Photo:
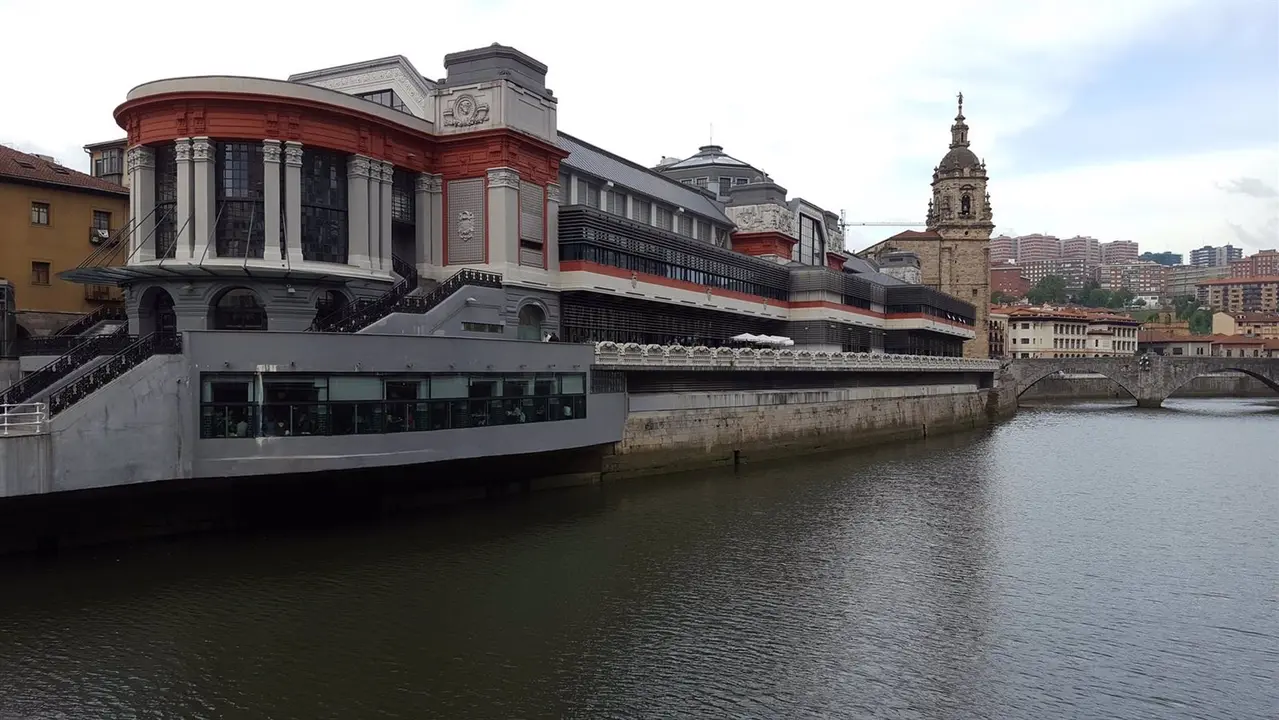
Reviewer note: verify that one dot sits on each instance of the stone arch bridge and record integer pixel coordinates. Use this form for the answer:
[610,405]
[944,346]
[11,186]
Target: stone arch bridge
[1148,378]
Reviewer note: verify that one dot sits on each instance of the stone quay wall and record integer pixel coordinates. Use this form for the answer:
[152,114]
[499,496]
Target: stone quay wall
[1102,388]
[687,431]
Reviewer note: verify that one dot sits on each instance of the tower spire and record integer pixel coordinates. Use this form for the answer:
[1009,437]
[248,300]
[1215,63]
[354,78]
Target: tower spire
[959,131]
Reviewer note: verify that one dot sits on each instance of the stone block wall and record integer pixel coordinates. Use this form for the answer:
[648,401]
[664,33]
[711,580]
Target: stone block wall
[781,424]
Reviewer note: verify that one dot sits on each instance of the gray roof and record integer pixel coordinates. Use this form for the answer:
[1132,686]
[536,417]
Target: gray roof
[868,270]
[633,176]
[708,155]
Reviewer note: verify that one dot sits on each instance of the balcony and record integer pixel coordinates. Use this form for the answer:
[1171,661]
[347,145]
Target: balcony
[101,235]
[102,293]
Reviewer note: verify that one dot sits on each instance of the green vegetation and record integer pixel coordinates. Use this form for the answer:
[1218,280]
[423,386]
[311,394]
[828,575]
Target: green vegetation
[1188,308]
[1052,289]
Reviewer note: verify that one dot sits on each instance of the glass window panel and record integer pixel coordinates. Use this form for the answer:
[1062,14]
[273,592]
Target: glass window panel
[353,387]
[449,386]
[485,387]
[546,385]
[572,383]
[517,385]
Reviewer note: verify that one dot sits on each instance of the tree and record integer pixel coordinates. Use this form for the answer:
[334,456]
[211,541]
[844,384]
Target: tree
[1201,322]
[1051,289]
[999,297]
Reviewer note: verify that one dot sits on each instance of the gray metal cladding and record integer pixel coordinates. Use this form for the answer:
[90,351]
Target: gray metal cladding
[532,211]
[594,161]
[465,199]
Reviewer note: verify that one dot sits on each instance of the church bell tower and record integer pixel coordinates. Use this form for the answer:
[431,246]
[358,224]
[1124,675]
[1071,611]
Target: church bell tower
[960,214]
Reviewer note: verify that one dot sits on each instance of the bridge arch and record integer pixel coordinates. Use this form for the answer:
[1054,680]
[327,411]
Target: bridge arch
[1030,378]
[1269,380]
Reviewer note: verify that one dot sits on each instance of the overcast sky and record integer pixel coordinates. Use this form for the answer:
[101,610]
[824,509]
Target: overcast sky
[1147,120]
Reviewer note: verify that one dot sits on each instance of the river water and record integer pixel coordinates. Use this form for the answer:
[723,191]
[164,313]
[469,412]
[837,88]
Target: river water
[1085,561]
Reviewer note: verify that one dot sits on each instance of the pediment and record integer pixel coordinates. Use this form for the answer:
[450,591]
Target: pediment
[391,73]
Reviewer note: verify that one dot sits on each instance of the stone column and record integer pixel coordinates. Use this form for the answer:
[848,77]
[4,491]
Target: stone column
[205,206]
[375,213]
[141,160]
[551,243]
[273,250]
[381,260]
[357,211]
[182,216]
[293,201]
[503,206]
[422,218]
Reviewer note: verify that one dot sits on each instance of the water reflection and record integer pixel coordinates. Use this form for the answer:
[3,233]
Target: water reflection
[1077,562]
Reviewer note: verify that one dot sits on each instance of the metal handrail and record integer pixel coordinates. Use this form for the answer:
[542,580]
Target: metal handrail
[24,419]
[146,347]
[29,386]
[357,311]
[106,312]
[355,319]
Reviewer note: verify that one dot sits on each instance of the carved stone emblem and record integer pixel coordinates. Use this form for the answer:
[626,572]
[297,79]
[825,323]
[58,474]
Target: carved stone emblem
[466,111]
[466,226]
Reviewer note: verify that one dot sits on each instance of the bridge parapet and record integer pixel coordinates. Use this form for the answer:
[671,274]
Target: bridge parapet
[673,357]
[1148,378]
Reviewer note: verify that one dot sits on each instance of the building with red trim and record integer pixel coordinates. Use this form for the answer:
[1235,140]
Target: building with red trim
[334,198]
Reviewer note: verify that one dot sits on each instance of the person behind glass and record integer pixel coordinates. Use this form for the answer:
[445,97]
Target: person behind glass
[550,337]
[303,425]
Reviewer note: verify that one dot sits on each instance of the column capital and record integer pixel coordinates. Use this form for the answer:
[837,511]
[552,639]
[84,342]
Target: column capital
[182,149]
[140,156]
[503,177]
[386,171]
[293,153]
[201,149]
[271,151]
[428,183]
[554,193]
[359,166]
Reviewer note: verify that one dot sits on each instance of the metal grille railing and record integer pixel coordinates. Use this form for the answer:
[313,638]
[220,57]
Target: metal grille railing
[106,312]
[44,378]
[115,366]
[360,315]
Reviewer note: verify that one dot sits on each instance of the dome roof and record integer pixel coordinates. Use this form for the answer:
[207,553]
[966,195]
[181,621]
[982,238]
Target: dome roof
[958,159]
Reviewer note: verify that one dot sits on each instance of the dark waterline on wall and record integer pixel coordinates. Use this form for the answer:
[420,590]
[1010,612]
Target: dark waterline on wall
[1078,561]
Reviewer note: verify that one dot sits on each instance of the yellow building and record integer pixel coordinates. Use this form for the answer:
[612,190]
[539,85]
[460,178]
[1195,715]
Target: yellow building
[1253,324]
[51,219]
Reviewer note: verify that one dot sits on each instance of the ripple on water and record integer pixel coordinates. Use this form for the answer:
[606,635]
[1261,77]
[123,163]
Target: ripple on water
[1088,561]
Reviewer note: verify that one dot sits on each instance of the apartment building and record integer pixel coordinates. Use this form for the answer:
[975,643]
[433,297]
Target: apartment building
[1183,280]
[1252,324]
[51,219]
[1261,264]
[1231,294]
[1068,332]
[1119,251]
[1219,256]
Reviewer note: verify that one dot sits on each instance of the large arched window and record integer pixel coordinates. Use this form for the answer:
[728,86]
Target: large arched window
[238,309]
[241,213]
[531,318]
[324,224]
[166,200]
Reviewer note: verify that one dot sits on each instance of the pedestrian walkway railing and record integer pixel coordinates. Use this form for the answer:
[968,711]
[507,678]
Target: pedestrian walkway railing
[24,419]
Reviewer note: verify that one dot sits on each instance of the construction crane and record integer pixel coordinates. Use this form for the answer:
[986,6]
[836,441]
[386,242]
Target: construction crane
[844,224]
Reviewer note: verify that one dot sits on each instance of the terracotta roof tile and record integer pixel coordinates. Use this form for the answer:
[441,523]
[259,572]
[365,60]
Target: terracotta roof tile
[24,167]
[1242,280]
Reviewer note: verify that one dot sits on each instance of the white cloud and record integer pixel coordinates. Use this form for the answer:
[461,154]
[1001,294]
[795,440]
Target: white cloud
[1172,203]
[844,104]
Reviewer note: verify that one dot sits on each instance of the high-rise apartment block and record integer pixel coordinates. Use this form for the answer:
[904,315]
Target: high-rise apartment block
[1085,249]
[1003,250]
[1038,247]
[1220,256]
[1118,251]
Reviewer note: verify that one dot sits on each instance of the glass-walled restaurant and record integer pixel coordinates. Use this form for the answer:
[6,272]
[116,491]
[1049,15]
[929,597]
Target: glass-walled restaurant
[293,404]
